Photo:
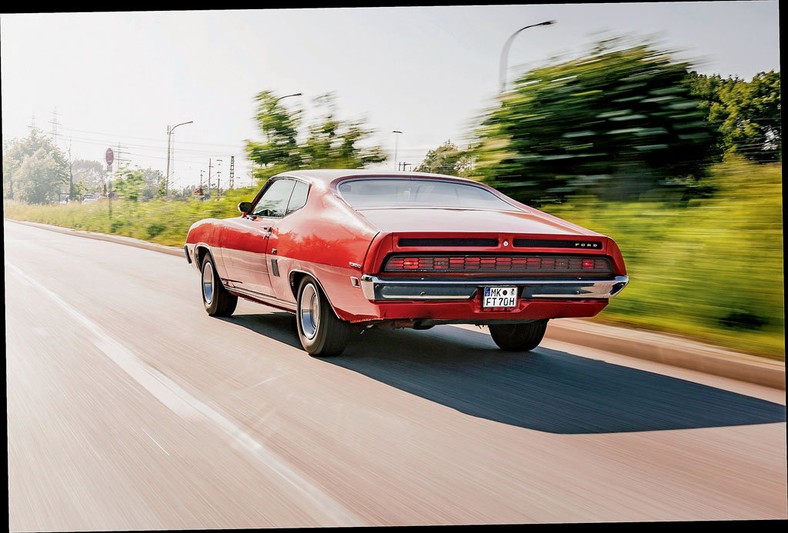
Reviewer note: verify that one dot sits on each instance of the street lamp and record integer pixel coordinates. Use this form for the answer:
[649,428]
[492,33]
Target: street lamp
[287,96]
[395,147]
[505,51]
[169,143]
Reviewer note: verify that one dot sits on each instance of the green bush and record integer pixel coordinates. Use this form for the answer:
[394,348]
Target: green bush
[161,221]
[712,269]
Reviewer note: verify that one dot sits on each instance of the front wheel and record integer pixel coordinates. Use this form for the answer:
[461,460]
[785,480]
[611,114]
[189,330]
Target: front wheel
[522,337]
[320,331]
[215,298]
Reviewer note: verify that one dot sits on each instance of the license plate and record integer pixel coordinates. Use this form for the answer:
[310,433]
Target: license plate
[499,297]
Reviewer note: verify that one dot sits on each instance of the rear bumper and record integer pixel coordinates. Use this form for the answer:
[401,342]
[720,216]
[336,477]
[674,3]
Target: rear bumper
[378,289]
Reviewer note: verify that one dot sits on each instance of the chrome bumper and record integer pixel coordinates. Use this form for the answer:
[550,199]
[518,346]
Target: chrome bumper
[375,288]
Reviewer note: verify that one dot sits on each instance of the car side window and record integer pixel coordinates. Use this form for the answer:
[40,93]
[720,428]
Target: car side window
[273,202]
[298,198]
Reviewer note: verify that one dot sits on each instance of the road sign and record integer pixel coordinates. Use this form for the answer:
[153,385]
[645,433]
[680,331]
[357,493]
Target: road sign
[110,156]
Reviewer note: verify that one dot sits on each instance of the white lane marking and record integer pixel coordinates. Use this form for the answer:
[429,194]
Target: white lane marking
[186,405]
[155,441]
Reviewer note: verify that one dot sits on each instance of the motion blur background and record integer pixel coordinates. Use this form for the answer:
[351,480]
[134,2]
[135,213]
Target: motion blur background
[625,135]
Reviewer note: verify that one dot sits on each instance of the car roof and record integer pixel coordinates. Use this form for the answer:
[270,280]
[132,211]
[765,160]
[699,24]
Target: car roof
[330,175]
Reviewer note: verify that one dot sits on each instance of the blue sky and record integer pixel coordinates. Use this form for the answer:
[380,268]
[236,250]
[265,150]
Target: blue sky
[118,79]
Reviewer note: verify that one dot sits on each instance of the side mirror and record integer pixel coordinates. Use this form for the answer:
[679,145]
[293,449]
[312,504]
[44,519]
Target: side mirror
[245,207]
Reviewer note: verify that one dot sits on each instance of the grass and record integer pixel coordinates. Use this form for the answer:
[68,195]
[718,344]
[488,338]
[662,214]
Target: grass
[711,270]
[160,221]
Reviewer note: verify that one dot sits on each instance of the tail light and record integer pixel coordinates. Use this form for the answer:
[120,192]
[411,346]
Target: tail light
[525,264]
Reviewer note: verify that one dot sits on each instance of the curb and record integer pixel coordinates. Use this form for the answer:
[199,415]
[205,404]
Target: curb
[120,239]
[671,350]
[659,347]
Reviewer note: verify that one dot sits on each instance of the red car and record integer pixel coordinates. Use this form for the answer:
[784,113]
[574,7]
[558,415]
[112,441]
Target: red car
[351,249]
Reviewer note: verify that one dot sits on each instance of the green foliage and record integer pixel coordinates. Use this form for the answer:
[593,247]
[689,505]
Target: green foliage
[154,229]
[746,115]
[35,170]
[160,220]
[130,185]
[280,128]
[615,124]
[88,177]
[330,143]
[155,184]
[446,159]
[334,143]
[712,270]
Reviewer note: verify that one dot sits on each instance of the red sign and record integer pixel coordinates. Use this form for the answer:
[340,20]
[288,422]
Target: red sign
[110,156]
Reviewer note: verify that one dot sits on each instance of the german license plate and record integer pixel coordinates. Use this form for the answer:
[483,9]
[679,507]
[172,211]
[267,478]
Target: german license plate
[499,297]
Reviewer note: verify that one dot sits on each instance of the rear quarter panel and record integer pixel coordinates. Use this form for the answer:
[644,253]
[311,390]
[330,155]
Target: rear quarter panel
[324,239]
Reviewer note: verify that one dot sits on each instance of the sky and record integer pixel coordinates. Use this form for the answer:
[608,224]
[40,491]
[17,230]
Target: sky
[96,80]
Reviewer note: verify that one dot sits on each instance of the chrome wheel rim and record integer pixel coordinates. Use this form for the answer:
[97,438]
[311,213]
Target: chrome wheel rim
[207,282]
[309,311]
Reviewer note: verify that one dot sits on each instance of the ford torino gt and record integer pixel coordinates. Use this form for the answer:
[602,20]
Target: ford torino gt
[346,250]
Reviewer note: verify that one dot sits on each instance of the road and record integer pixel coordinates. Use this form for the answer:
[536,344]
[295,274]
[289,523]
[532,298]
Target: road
[128,408]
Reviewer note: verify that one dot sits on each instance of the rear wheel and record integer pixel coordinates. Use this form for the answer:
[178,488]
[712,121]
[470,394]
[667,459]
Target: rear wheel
[522,337]
[320,331]
[215,298]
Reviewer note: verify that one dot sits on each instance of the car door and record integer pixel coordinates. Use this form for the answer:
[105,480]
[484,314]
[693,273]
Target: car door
[282,241]
[247,253]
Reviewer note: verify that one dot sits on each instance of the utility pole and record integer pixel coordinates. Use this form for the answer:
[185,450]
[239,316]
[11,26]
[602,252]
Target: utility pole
[218,178]
[210,166]
[232,171]
[109,157]
[54,125]
[119,160]
[70,175]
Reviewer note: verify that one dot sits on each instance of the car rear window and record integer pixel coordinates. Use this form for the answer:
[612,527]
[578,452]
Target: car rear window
[417,192]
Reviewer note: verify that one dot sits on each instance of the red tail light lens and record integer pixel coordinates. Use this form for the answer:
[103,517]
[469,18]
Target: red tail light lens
[525,264]
[410,263]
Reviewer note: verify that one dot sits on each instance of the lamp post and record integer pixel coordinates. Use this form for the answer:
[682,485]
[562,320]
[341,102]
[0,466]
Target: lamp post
[287,96]
[505,51]
[396,132]
[169,144]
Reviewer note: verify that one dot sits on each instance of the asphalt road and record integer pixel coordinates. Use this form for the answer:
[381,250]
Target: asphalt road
[128,408]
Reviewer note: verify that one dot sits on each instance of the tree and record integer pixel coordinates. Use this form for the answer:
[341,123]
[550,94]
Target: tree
[130,184]
[446,159]
[746,115]
[616,123]
[330,142]
[280,127]
[35,170]
[154,184]
[335,143]
[88,176]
